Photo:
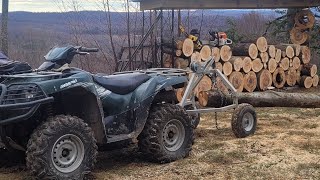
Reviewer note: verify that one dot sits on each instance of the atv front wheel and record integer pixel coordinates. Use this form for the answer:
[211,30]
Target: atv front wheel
[244,121]
[63,147]
[168,134]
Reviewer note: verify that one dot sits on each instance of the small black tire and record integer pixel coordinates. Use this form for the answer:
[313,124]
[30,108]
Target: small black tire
[63,147]
[244,121]
[168,134]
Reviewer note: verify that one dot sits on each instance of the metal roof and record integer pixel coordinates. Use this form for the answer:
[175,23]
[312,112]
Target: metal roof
[225,4]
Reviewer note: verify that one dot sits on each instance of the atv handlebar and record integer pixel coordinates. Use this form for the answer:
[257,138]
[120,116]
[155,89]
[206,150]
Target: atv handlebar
[84,49]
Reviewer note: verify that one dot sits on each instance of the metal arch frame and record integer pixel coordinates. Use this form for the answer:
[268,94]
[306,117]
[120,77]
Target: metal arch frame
[199,71]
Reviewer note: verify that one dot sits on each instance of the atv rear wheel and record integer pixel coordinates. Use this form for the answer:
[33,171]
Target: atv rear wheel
[168,134]
[244,121]
[63,147]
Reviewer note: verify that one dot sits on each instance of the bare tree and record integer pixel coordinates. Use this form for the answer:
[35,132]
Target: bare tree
[4,27]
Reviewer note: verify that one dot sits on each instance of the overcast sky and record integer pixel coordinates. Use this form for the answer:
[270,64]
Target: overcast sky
[56,5]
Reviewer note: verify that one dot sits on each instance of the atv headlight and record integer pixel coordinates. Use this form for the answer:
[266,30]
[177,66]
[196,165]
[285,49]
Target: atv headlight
[22,93]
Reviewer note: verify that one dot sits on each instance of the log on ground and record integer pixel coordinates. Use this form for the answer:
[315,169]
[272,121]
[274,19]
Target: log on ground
[291,77]
[279,78]
[272,65]
[264,78]
[250,81]
[309,70]
[237,80]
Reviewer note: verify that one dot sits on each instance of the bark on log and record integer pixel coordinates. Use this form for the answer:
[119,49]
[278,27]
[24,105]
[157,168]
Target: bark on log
[181,63]
[304,19]
[205,53]
[188,47]
[247,64]
[279,78]
[216,54]
[315,80]
[245,49]
[227,68]
[225,53]
[236,62]
[203,98]
[236,79]
[285,63]
[179,94]
[216,99]
[250,81]
[220,86]
[291,77]
[272,65]
[271,99]
[309,70]
[257,65]
[297,36]
[272,51]
[278,55]
[264,78]
[262,44]
[306,82]
[305,55]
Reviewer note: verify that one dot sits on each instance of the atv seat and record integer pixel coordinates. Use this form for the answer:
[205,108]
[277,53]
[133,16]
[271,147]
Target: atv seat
[122,83]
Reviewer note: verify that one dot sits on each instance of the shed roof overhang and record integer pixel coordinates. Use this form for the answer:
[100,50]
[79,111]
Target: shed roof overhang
[225,4]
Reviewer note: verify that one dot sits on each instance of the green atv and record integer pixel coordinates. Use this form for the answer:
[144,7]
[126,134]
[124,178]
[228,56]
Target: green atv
[59,115]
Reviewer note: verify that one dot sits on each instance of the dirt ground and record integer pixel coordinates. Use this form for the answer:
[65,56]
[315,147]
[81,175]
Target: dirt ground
[286,146]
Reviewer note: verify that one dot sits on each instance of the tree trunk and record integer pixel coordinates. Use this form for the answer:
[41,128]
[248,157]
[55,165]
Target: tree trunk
[236,62]
[236,79]
[267,99]
[188,47]
[257,65]
[250,81]
[4,27]
[272,65]
[225,53]
[264,79]
[247,64]
[227,68]
[245,49]
[262,44]
[309,70]
[205,53]
[279,78]
[216,54]
[306,82]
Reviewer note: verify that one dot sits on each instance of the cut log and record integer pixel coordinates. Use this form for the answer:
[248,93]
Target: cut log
[236,62]
[262,44]
[188,47]
[304,19]
[296,47]
[285,63]
[279,78]
[225,53]
[236,79]
[278,55]
[315,80]
[167,61]
[178,53]
[250,81]
[216,54]
[290,51]
[205,84]
[287,51]
[227,68]
[245,49]
[296,63]
[218,66]
[257,65]
[272,51]
[272,65]
[203,98]
[220,86]
[179,93]
[205,53]
[264,57]
[264,78]
[298,73]
[271,99]
[181,63]
[305,55]
[247,64]
[216,99]
[196,57]
[291,77]
[309,70]
[306,82]
[297,36]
